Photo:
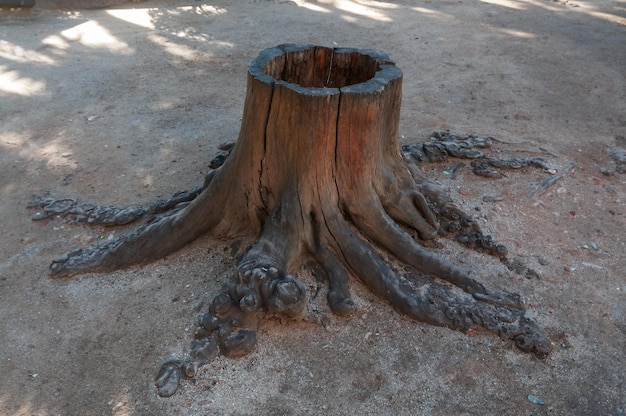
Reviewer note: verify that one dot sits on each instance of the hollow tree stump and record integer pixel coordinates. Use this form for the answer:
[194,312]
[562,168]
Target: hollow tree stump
[317,174]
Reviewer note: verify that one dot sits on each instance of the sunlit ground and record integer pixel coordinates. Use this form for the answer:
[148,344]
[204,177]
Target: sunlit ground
[103,31]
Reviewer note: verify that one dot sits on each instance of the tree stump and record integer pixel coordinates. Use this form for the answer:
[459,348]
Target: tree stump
[317,174]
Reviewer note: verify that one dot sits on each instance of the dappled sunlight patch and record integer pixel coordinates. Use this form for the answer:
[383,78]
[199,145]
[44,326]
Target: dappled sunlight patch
[55,42]
[16,53]
[93,35]
[380,4]
[588,8]
[184,51]
[553,6]
[516,33]
[188,13]
[26,408]
[54,153]
[147,180]
[28,405]
[164,105]
[362,9]
[591,9]
[10,141]
[314,7]
[201,9]
[12,83]
[139,17]
[173,48]
[510,4]
[122,404]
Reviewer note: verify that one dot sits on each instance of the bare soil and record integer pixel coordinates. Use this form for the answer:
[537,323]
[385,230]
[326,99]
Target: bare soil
[128,104]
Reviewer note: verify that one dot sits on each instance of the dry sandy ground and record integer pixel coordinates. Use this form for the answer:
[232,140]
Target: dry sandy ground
[128,104]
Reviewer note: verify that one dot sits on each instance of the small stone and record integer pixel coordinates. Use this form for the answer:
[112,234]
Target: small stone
[535,399]
[492,198]
[592,265]
[39,216]
[607,171]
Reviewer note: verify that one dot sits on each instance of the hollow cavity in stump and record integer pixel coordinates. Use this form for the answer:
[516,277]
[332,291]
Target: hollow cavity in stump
[317,173]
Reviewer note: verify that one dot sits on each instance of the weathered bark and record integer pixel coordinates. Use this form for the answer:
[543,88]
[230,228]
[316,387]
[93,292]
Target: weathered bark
[317,172]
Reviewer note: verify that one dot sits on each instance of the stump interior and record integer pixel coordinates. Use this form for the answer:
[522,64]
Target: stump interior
[319,67]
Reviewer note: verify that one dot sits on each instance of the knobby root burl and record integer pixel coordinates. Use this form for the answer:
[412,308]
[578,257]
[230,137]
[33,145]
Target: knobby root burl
[340,242]
[327,183]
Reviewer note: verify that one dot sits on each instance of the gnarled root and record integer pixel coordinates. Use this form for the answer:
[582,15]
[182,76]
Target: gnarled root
[444,144]
[230,325]
[317,172]
[435,303]
[186,219]
[341,247]
[346,224]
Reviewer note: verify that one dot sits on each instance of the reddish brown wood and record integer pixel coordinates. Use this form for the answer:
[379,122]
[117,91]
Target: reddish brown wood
[317,175]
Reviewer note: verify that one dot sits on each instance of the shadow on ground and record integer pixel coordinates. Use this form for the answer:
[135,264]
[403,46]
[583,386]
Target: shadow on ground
[128,104]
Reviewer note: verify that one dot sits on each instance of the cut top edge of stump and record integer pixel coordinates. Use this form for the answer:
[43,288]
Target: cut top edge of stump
[323,70]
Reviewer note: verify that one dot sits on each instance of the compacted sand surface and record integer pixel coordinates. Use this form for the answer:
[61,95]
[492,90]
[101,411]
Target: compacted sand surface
[128,104]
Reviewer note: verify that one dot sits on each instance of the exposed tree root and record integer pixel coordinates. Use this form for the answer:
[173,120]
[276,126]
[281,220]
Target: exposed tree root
[327,183]
[341,238]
